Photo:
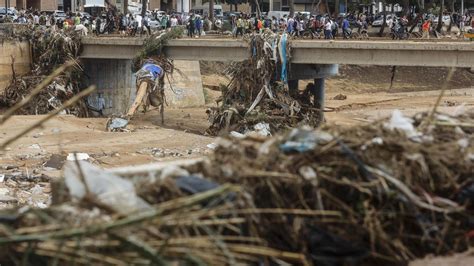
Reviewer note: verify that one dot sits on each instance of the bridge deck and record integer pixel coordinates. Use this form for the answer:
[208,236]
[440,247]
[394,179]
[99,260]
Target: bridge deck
[403,53]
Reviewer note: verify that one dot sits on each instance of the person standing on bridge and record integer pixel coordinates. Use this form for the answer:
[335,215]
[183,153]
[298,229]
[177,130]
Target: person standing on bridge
[240,27]
[146,25]
[426,29]
[190,25]
[346,28]
[174,22]
[328,29]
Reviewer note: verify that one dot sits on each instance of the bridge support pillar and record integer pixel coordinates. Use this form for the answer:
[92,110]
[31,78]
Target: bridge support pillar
[314,72]
[319,96]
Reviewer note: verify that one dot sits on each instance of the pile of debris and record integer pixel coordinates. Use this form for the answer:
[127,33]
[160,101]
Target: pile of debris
[50,49]
[258,91]
[384,193]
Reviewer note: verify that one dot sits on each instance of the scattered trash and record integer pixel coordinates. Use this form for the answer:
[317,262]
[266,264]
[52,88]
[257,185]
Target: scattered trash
[402,123]
[116,124]
[262,129]
[211,146]
[56,161]
[34,146]
[194,184]
[84,179]
[237,135]
[2,178]
[77,156]
[299,140]
[51,49]
[340,97]
[38,198]
[298,193]
[254,96]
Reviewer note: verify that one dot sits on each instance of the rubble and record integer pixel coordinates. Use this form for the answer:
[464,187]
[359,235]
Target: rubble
[258,92]
[369,194]
[50,49]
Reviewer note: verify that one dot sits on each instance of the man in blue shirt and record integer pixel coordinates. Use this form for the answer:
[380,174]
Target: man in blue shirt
[346,31]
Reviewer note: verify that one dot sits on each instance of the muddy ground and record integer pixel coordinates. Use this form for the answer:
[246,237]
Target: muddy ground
[27,166]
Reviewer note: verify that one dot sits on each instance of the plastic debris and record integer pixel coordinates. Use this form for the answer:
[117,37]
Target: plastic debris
[117,124]
[111,190]
[402,123]
[304,139]
[211,146]
[263,129]
[77,156]
[194,184]
[34,146]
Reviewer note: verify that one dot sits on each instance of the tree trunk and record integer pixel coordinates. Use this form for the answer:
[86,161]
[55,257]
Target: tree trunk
[144,5]
[236,9]
[257,6]
[406,8]
[315,8]
[292,7]
[451,20]
[440,18]
[419,16]
[211,13]
[336,7]
[328,10]
[382,28]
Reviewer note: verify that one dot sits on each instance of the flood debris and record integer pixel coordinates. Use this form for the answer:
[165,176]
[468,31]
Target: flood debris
[117,124]
[258,91]
[152,68]
[50,49]
[340,97]
[369,194]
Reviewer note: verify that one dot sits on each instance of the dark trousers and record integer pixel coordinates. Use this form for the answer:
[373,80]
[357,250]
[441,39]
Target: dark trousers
[239,31]
[327,34]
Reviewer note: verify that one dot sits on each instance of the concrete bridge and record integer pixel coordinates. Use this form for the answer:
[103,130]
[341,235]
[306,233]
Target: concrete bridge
[388,53]
[107,61]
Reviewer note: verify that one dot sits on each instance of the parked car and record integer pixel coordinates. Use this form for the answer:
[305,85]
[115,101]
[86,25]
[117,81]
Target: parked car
[154,23]
[379,20]
[159,13]
[446,19]
[12,13]
[85,15]
[59,15]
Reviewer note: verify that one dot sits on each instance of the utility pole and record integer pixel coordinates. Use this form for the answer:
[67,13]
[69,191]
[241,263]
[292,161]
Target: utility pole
[462,7]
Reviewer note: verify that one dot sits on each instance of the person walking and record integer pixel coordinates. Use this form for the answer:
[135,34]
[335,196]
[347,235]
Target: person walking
[346,28]
[198,26]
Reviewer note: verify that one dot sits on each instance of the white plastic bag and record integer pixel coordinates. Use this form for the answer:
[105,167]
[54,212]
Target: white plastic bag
[110,189]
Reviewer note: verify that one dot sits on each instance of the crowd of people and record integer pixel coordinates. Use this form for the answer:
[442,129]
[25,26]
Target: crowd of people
[327,27]
[298,25]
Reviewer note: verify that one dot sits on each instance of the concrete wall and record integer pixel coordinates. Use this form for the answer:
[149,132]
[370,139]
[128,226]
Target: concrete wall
[116,82]
[186,89]
[49,5]
[21,52]
[114,79]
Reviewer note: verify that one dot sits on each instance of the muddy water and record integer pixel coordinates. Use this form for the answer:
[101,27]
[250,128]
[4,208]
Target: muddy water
[21,54]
